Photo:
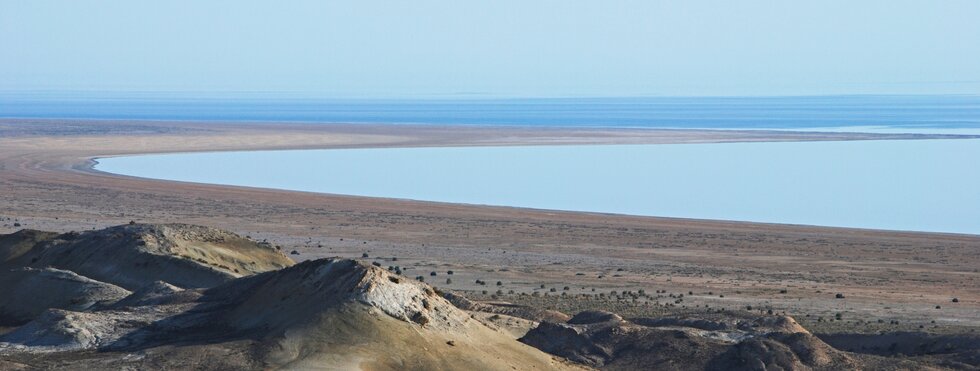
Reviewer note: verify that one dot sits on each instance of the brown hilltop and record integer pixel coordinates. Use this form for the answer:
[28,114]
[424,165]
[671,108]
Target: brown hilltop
[350,314]
[327,313]
[133,256]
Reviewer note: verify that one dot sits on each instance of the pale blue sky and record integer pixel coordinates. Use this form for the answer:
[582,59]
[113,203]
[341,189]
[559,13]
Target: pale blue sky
[494,48]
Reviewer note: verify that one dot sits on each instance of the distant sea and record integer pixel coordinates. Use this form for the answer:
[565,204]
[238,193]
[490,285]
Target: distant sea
[900,112]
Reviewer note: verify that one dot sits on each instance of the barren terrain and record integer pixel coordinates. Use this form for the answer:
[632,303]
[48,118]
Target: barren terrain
[890,281]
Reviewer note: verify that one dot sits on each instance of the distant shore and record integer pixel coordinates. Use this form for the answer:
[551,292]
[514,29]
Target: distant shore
[48,183]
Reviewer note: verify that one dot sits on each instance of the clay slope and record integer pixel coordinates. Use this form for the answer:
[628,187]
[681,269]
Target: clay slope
[507,309]
[722,341]
[25,293]
[347,314]
[134,256]
[321,314]
[15,245]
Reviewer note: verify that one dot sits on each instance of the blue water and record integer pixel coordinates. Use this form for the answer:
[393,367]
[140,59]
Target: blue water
[920,185]
[895,112]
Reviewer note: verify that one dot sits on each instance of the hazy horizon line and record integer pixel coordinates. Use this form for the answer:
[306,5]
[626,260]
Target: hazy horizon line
[285,94]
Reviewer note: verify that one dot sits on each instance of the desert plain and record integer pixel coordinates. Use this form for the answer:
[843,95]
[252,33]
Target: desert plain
[833,281]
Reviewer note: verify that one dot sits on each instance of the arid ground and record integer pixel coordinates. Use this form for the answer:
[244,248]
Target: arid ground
[890,281]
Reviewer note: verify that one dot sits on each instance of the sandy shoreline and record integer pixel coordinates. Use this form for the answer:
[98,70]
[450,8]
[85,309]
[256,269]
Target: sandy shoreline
[48,183]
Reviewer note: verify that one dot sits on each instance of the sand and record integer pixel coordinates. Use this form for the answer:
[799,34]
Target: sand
[47,183]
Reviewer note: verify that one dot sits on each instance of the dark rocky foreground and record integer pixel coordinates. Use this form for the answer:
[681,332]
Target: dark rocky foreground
[190,297]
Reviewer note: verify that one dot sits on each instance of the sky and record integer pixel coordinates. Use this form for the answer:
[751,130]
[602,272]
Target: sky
[499,48]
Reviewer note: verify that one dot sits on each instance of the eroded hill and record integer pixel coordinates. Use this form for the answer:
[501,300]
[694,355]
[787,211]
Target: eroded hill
[179,297]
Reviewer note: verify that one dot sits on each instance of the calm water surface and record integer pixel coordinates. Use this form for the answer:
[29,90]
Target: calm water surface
[891,112]
[921,185]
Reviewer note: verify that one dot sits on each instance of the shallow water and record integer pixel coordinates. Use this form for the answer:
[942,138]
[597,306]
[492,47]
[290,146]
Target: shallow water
[920,185]
[885,112]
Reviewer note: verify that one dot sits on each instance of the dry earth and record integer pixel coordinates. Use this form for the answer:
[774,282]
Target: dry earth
[350,314]
[891,281]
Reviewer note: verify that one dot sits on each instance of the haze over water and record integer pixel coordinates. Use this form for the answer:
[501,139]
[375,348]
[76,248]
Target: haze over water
[919,185]
[892,112]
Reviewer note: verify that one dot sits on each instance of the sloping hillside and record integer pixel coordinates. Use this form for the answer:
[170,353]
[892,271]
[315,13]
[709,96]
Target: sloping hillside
[133,256]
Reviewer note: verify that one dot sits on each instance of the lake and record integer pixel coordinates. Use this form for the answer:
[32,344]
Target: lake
[918,185]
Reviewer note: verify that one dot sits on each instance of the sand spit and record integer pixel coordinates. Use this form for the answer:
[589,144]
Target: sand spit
[893,282]
[48,184]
